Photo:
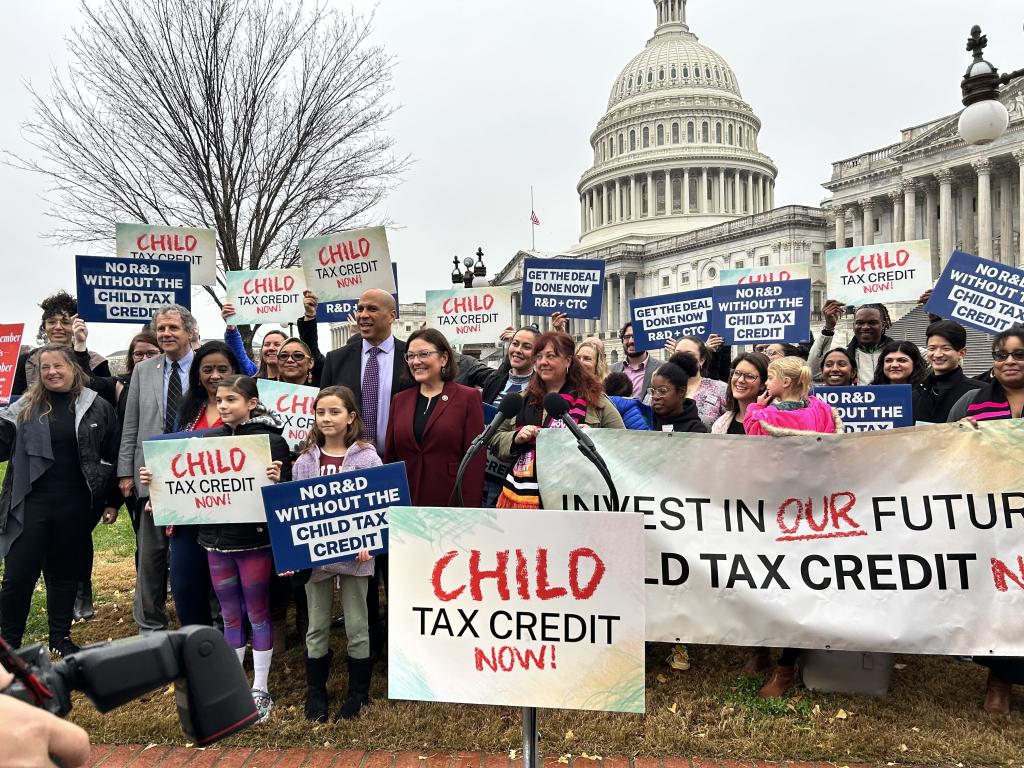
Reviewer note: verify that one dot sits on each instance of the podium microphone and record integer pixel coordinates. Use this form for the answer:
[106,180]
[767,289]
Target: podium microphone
[558,408]
[509,407]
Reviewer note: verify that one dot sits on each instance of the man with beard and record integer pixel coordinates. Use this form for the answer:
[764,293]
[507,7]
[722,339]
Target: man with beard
[638,366]
[870,323]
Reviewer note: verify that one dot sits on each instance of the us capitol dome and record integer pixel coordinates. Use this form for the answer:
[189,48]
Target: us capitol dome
[677,147]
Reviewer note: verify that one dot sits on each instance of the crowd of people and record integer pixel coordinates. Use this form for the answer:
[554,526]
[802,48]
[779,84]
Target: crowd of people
[74,442]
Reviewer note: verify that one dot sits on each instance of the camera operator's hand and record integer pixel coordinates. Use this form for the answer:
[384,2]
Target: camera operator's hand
[29,736]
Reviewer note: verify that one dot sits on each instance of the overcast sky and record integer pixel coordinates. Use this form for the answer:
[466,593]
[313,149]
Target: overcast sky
[499,95]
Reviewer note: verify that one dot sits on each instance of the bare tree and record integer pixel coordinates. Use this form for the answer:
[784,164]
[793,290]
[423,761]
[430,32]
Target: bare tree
[262,120]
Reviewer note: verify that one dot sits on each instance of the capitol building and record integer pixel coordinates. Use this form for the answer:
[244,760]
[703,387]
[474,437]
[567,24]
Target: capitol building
[679,188]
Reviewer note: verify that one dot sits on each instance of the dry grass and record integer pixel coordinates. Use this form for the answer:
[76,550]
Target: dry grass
[932,713]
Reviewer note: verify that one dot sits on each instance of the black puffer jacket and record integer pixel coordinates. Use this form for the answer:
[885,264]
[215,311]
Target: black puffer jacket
[98,439]
[237,537]
[687,420]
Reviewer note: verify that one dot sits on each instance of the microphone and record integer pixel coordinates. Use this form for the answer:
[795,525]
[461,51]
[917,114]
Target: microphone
[558,408]
[508,408]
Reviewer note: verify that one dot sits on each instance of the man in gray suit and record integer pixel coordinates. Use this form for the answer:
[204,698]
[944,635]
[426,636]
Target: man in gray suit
[156,395]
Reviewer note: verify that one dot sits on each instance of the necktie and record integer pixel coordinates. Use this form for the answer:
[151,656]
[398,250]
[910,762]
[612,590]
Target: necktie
[371,394]
[173,399]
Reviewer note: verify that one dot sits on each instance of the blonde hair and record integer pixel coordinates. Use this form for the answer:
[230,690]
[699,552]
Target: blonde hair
[37,396]
[600,360]
[796,370]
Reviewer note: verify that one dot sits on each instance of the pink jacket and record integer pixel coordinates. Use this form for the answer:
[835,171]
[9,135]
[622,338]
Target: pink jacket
[307,466]
[817,417]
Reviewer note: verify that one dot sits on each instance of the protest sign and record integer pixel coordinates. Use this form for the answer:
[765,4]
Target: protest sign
[10,348]
[864,409]
[187,245]
[265,295]
[488,606]
[903,540]
[772,274]
[208,480]
[470,315]
[867,274]
[763,313]
[328,519]
[979,293]
[112,290]
[294,404]
[657,319]
[346,264]
[338,310]
[572,286]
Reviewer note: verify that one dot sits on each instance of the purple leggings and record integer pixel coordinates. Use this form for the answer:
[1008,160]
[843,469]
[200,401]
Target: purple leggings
[242,583]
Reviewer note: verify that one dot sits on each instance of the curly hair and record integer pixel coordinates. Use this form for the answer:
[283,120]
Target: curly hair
[578,379]
[55,305]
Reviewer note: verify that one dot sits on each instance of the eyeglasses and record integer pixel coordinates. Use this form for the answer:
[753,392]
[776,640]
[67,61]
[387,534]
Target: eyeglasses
[659,391]
[1002,355]
[750,378]
[145,355]
[421,356]
[284,357]
[51,322]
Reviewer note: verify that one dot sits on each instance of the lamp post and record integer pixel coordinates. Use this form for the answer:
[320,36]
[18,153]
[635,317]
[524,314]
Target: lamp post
[984,118]
[475,275]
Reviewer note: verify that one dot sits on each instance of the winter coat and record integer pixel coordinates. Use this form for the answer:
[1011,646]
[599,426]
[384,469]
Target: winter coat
[237,537]
[817,418]
[635,415]
[984,404]
[307,465]
[26,445]
[27,371]
[687,420]
[937,395]
[867,361]
[505,447]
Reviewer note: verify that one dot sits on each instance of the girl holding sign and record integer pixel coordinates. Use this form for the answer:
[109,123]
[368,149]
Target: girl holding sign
[334,447]
[239,555]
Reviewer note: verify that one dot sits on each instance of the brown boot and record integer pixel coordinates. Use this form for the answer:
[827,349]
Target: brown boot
[760,661]
[997,696]
[781,681]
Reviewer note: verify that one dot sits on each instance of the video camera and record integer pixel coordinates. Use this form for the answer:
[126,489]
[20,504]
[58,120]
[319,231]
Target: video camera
[210,688]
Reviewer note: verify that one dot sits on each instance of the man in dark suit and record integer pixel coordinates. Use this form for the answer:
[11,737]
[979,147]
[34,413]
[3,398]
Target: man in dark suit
[373,366]
[158,391]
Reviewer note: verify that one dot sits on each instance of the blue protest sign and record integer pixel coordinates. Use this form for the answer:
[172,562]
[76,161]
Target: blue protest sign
[490,412]
[864,409]
[572,286]
[979,293]
[328,519]
[337,311]
[659,318]
[763,313]
[112,290]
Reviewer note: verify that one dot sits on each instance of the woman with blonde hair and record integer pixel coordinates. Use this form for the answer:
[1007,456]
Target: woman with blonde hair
[592,357]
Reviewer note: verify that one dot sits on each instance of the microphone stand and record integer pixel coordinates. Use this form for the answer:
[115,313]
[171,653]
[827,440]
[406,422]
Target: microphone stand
[588,449]
[474,448]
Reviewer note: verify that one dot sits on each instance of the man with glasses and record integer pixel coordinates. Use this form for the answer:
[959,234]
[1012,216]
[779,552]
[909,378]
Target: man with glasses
[59,312]
[638,366]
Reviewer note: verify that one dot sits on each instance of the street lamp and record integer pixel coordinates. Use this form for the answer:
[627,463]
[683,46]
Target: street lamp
[475,275]
[984,118]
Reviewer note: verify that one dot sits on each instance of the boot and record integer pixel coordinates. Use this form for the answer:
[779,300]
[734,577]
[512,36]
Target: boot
[997,696]
[782,680]
[280,630]
[760,661]
[83,602]
[317,672]
[359,673]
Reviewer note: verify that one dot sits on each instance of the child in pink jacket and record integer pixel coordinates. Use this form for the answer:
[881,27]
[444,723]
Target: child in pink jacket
[786,408]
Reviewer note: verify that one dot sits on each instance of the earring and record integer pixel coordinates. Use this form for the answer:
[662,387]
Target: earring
[309,376]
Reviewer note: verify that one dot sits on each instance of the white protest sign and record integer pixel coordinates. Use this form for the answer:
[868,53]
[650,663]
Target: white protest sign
[208,480]
[867,274]
[294,403]
[769,274]
[470,315]
[346,264]
[516,607]
[265,295]
[195,246]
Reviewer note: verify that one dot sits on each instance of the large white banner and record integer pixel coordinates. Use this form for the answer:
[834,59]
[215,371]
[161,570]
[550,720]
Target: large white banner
[516,607]
[908,541]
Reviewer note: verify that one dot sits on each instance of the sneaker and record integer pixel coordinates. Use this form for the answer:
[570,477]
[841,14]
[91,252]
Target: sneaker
[264,704]
[679,659]
[64,647]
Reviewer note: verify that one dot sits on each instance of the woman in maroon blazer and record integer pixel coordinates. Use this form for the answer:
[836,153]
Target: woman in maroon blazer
[433,423]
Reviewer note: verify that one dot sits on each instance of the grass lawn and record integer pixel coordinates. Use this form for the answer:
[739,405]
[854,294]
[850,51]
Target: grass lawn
[931,715]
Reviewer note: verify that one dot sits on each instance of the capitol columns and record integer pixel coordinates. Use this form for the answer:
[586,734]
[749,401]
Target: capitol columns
[749,189]
[633,207]
[1019,157]
[668,193]
[618,199]
[867,206]
[840,212]
[984,170]
[702,193]
[909,209]
[623,302]
[931,227]
[945,179]
[686,189]
[651,197]
[896,199]
[721,190]
[1005,218]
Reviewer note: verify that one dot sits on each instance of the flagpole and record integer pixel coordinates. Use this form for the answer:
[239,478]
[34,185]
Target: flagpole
[533,227]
